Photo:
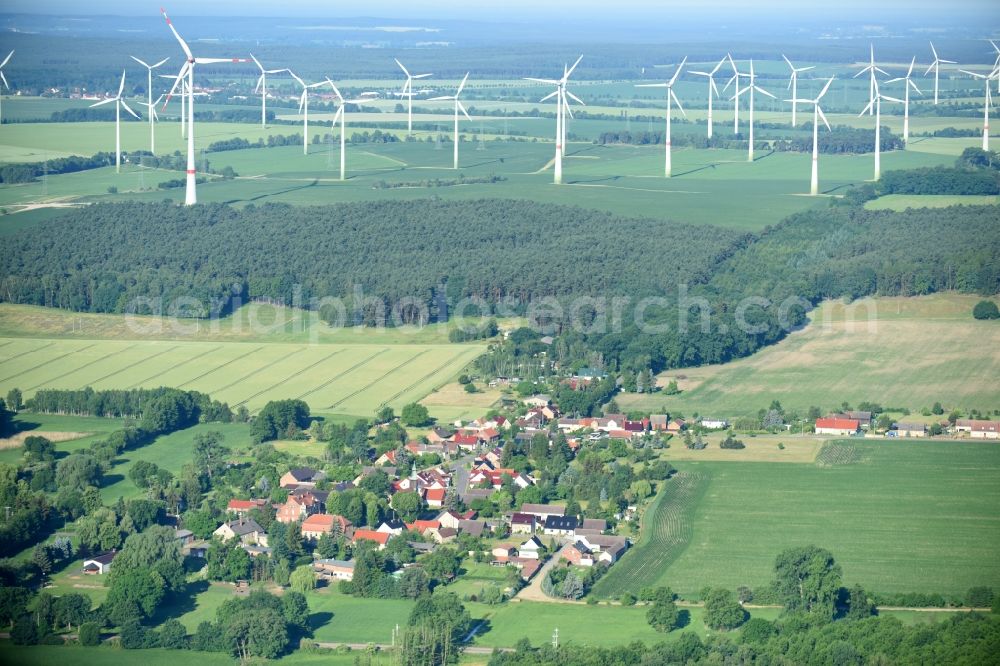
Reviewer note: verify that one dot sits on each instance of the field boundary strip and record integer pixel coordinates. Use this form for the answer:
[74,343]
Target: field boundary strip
[19,356]
[341,374]
[440,368]
[51,360]
[219,367]
[82,367]
[666,530]
[172,368]
[379,378]
[132,365]
[267,366]
[289,377]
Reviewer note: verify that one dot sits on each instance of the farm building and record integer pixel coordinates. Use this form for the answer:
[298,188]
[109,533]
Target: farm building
[836,426]
[579,554]
[904,429]
[979,429]
[99,564]
[331,569]
[301,477]
[714,424]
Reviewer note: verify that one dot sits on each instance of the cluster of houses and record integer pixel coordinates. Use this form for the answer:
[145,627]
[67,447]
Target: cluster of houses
[857,422]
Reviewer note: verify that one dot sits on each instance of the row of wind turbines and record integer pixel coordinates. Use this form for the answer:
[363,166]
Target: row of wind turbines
[183,85]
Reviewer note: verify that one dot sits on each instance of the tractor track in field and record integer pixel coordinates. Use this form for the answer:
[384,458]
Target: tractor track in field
[45,363]
[219,367]
[378,379]
[132,365]
[291,376]
[422,379]
[82,367]
[342,374]
[30,351]
[182,363]
[220,389]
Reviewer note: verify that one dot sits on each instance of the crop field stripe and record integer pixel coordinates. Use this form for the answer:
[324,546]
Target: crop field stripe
[45,363]
[219,367]
[341,374]
[379,378]
[132,365]
[82,367]
[19,356]
[432,373]
[667,527]
[220,389]
[173,367]
[291,376]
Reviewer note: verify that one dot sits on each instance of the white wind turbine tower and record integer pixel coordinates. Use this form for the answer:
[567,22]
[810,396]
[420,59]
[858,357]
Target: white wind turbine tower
[817,116]
[751,88]
[562,104]
[262,87]
[793,83]
[154,117]
[906,98]
[711,88]
[877,103]
[190,192]
[987,103]
[149,98]
[407,92]
[936,66]
[304,108]
[736,106]
[119,103]
[871,68]
[458,107]
[4,79]
[671,96]
[342,115]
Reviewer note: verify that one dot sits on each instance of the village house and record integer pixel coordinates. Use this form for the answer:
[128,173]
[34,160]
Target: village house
[985,430]
[522,523]
[835,426]
[99,564]
[393,526]
[676,425]
[439,434]
[319,524]
[592,526]
[864,419]
[245,529]
[330,569]
[240,508]
[531,549]
[380,538]
[297,507]
[538,400]
[441,534]
[504,553]
[608,549]
[908,429]
[301,477]
[560,525]
[474,528]
[543,511]
[387,458]
[658,422]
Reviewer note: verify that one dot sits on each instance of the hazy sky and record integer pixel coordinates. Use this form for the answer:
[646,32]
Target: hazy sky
[511,10]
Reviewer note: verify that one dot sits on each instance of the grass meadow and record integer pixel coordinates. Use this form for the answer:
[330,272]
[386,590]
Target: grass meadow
[896,358]
[898,517]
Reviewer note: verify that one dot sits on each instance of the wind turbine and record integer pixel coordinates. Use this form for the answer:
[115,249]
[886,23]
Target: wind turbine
[342,115]
[906,98]
[149,98]
[936,66]
[711,88]
[562,105]
[262,87]
[793,83]
[751,88]
[872,68]
[151,110]
[190,192]
[736,107]
[458,107]
[817,116]
[119,103]
[671,95]
[996,63]
[987,103]
[4,79]
[407,92]
[304,107]
[877,103]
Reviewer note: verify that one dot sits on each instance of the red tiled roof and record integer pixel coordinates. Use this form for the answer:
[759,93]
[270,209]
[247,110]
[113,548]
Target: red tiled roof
[371,535]
[240,505]
[435,494]
[421,525]
[837,424]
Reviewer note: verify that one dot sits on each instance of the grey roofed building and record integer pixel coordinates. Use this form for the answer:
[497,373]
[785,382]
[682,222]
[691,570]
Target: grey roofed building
[560,524]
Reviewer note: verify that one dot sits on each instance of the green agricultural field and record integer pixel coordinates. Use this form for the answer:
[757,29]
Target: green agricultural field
[335,378]
[901,202]
[68,433]
[45,655]
[895,358]
[898,516]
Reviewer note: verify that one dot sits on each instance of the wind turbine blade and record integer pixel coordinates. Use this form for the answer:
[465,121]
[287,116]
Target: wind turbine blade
[910,70]
[652,85]
[806,69]
[294,76]
[934,51]
[336,117]
[898,78]
[551,82]
[732,63]
[717,67]
[212,61]
[129,109]
[790,65]
[861,72]
[931,67]
[678,103]
[257,62]
[978,76]
[825,88]
[121,86]
[892,99]
[336,91]
[183,44]
[4,79]
[7,59]
[714,87]
[159,63]
[462,84]
[421,76]
[570,71]
[549,96]
[462,109]
[402,68]
[948,62]
[691,71]
[823,118]
[260,81]
[133,58]
[575,98]
[302,99]
[441,99]
[881,71]
[914,86]
[103,102]
[867,108]
[761,90]
[179,78]
[678,72]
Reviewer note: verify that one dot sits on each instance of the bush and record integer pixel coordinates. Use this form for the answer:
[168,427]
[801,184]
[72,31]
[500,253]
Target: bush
[89,634]
[986,310]
[627,599]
